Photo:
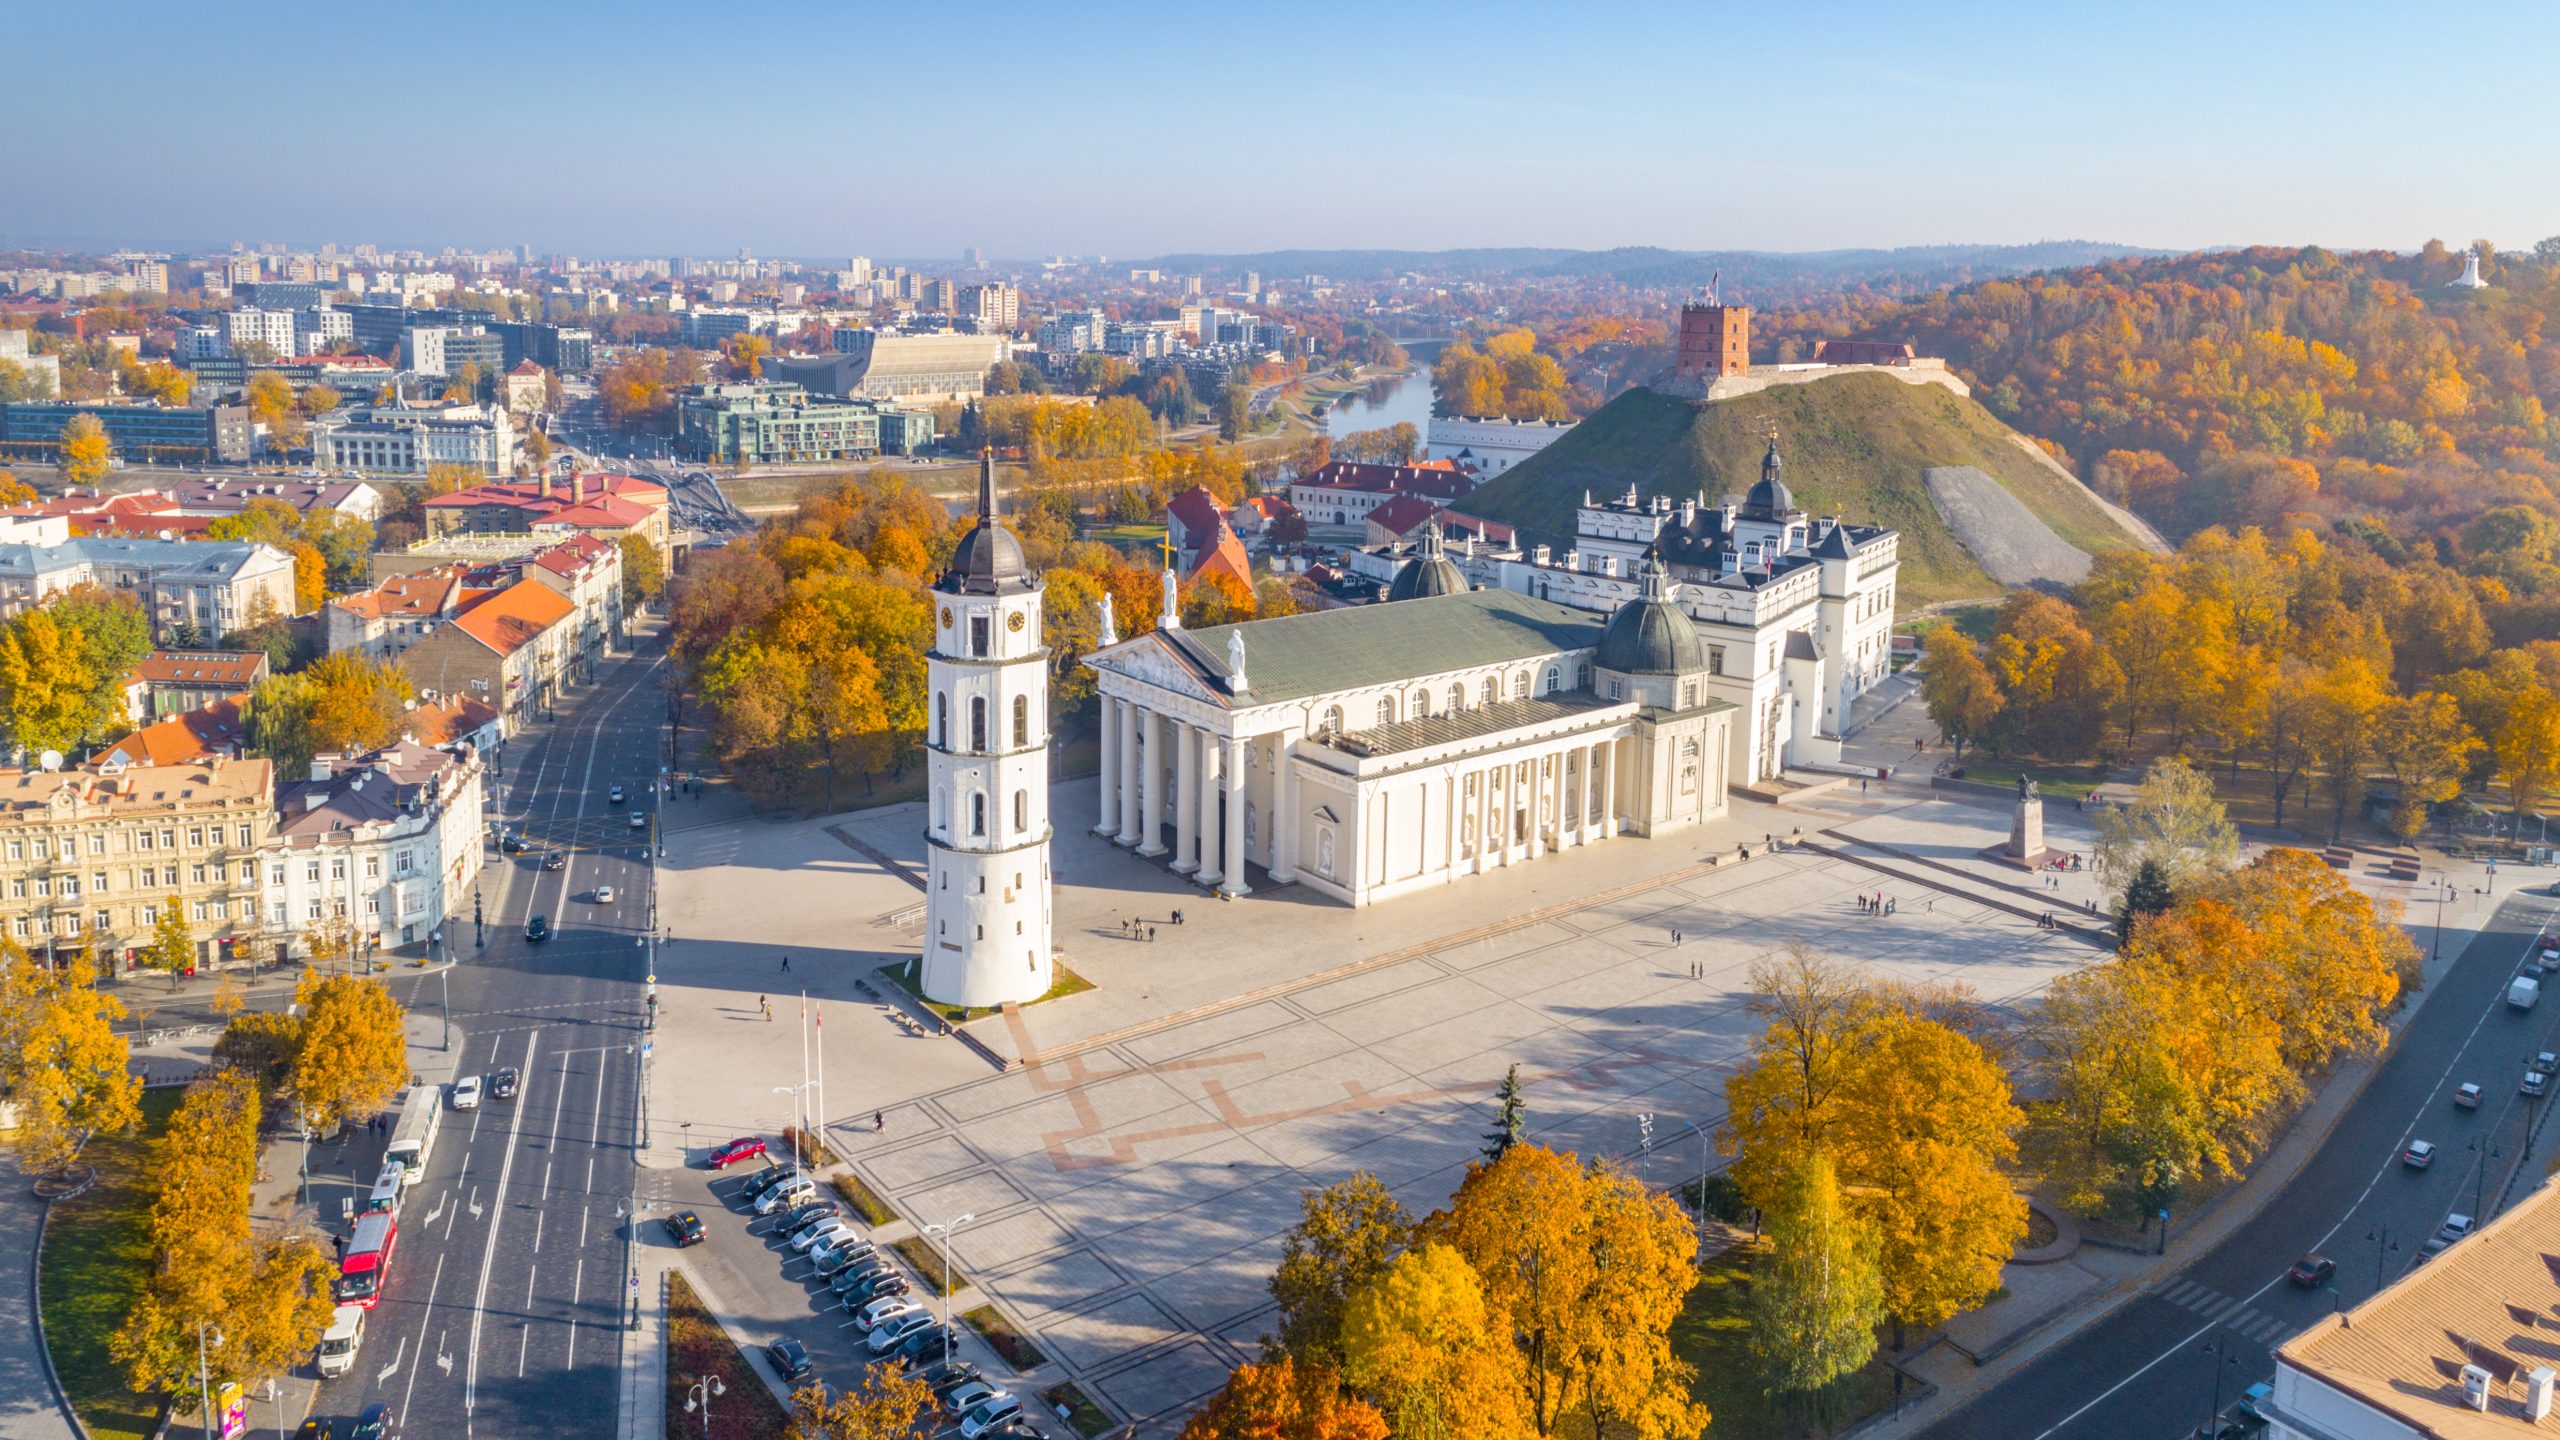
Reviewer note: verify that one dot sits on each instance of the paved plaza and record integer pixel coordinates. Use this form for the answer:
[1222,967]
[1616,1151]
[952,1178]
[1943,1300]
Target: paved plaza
[1131,1181]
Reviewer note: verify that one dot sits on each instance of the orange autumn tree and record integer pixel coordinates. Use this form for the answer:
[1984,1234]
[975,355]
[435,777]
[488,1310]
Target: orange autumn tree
[1283,1400]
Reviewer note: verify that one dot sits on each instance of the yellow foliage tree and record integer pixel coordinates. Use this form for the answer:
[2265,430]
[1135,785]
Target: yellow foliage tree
[85,451]
[61,1061]
[1283,1400]
[887,1403]
[1423,1340]
[352,1054]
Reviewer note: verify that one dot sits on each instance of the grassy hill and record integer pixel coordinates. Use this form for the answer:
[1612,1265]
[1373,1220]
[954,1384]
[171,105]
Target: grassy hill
[1853,444]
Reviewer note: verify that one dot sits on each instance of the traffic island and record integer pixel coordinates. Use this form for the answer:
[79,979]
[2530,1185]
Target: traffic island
[697,1350]
[95,1261]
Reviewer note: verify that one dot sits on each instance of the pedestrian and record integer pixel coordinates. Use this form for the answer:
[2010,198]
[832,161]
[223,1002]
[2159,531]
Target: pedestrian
[879,1122]
[1151,934]
[1862,785]
[1929,906]
[786,962]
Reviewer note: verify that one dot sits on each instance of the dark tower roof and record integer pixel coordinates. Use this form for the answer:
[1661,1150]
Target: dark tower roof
[988,560]
[1769,499]
[1430,572]
[1649,635]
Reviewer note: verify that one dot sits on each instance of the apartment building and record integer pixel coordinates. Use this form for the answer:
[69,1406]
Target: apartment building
[509,651]
[207,588]
[93,855]
[388,843]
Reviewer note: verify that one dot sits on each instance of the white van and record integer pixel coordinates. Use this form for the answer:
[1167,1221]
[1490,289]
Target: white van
[338,1344]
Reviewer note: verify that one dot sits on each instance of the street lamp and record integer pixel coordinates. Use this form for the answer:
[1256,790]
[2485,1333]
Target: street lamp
[2224,1356]
[2383,1243]
[2487,1150]
[928,1232]
[799,1117]
[204,1377]
[699,1394]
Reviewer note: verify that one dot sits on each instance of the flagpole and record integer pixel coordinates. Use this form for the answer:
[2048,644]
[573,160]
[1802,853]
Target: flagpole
[803,1146]
[818,1022]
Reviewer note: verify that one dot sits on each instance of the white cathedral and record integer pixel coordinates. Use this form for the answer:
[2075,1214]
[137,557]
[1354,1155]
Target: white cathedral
[1374,750]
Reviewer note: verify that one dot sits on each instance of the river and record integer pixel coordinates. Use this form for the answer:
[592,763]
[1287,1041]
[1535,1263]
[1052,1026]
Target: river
[1405,397]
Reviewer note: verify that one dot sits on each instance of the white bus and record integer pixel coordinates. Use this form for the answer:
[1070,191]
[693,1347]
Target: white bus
[415,1135]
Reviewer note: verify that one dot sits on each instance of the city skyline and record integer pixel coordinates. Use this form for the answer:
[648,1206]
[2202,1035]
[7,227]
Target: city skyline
[1156,131]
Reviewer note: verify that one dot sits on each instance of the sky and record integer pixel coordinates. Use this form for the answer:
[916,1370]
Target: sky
[818,130]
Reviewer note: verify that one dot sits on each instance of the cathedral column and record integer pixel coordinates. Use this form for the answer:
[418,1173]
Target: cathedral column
[1529,798]
[1609,791]
[1186,802]
[1128,744]
[1284,813]
[1110,820]
[1582,794]
[1232,883]
[1151,737]
[1496,781]
[1563,759]
[1213,855]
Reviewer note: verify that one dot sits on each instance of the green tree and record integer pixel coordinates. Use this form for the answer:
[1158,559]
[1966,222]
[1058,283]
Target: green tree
[1345,1235]
[2147,893]
[1235,413]
[86,451]
[1816,1299]
[1510,1120]
[2173,824]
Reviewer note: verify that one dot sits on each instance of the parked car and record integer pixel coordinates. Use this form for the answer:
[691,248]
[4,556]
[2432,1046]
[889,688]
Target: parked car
[996,1410]
[898,1330]
[763,1180]
[879,1285]
[316,1428]
[465,1094]
[746,1147]
[867,1267]
[785,1195]
[881,1312]
[2419,1155]
[808,1214]
[372,1424]
[685,1228]
[2455,1226]
[791,1358]
[2252,1409]
[604,894]
[933,1342]
[2466,1096]
[2312,1271]
[834,1231]
[960,1398]
[2546,1062]
[2534,1083]
[945,1375]
[538,929]
[826,1258]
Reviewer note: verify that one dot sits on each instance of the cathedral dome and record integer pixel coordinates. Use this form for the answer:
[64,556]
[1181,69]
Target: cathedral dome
[989,559]
[1430,572]
[1649,635]
[1769,499]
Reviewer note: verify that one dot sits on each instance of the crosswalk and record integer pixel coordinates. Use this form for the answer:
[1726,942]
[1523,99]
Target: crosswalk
[2223,1310]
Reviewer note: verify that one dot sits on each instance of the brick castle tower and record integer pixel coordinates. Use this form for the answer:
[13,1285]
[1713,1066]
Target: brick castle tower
[1715,340]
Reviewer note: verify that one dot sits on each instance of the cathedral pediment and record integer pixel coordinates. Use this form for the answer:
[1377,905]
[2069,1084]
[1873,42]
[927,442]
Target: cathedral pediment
[1147,658]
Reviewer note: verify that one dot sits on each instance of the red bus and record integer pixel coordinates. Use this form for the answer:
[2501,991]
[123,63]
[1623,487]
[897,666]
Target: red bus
[368,1256]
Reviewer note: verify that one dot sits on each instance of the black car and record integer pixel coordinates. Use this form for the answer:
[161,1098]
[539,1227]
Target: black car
[869,1267]
[926,1346]
[761,1181]
[685,1228]
[554,860]
[537,929]
[316,1428]
[373,1424]
[502,1085]
[878,1287]
[791,1358]
[2312,1271]
[948,1375]
[514,843]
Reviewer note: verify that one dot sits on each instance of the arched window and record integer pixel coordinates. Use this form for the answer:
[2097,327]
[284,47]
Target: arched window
[1387,710]
[1021,721]
[1421,703]
[1520,686]
[1457,698]
[1333,720]
[1021,811]
[941,721]
[978,723]
[1492,690]
[1555,680]
[978,813]
[941,809]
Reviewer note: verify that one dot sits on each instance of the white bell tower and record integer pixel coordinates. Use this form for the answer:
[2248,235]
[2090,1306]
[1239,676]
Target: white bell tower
[987,913]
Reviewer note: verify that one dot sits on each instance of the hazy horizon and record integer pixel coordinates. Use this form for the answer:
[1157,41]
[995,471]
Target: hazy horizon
[1150,129]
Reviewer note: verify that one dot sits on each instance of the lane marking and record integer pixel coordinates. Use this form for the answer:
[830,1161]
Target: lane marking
[489,1253]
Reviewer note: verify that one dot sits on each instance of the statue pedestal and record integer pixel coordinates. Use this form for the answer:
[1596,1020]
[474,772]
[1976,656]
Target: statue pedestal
[2025,846]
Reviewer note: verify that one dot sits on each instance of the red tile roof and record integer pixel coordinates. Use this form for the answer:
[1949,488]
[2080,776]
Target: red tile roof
[610,513]
[509,620]
[449,720]
[1198,511]
[237,669]
[1224,555]
[210,729]
[420,592]
[1442,479]
[1400,516]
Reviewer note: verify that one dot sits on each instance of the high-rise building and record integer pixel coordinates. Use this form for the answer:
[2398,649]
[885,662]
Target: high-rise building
[987,902]
[940,296]
[995,305]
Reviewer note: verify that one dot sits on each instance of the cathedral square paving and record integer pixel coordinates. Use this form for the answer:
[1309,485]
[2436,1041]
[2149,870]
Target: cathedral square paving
[1130,1184]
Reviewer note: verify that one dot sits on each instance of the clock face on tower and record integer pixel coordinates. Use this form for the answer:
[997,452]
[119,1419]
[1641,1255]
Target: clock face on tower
[1013,621]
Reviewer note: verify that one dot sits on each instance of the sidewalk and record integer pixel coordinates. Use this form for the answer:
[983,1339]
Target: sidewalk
[2052,1306]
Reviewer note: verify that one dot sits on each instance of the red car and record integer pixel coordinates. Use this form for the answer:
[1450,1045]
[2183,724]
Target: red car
[749,1148]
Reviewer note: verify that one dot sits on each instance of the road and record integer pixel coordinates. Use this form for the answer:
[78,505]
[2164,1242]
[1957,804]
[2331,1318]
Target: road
[504,1309]
[2145,1372]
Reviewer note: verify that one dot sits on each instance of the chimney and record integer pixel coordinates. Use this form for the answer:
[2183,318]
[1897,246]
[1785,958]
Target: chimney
[320,767]
[311,800]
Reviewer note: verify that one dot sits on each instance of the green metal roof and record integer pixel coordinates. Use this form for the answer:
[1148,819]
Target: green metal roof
[1298,656]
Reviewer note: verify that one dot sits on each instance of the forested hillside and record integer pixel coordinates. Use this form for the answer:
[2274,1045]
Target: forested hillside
[2250,386]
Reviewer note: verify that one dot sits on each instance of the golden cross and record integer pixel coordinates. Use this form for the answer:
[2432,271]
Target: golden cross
[1166,545]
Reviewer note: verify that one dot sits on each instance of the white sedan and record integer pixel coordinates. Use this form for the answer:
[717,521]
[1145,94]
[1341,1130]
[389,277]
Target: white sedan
[466,1093]
[604,894]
